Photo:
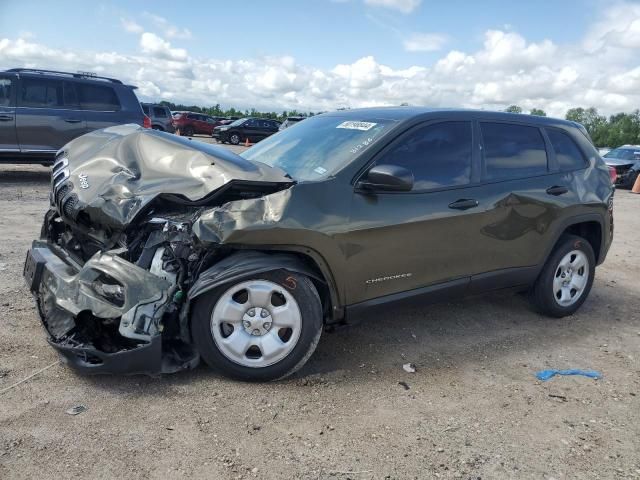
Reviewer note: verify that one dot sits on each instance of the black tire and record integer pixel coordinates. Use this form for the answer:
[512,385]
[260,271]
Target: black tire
[188,131]
[157,127]
[542,296]
[308,300]
[234,138]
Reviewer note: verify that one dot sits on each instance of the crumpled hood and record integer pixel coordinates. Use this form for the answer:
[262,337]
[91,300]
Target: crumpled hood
[117,171]
[618,161]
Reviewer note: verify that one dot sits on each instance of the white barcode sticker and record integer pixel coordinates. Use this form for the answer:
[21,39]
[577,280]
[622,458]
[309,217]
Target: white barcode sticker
[364,126]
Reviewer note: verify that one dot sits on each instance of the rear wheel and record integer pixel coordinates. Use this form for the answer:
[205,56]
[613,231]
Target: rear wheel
[566,278]
[188,131]
[261,328]
[234,138]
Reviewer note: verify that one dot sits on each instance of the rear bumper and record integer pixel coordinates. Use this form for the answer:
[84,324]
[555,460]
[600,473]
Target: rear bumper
[96,332]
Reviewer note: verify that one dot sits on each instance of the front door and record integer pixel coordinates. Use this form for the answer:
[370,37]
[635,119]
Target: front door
[8,137]
[408,240]
[48,115]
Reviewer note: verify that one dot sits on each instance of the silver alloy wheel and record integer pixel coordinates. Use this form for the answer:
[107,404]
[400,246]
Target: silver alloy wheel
[256,323]
[235,139]
[571,278]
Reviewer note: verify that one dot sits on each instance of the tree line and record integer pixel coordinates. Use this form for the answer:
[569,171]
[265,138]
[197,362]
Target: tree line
[616,130]
[218,111]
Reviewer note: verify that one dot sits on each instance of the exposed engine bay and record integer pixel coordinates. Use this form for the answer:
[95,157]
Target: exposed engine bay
[136,218]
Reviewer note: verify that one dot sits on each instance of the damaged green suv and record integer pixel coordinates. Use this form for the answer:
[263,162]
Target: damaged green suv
[158,251]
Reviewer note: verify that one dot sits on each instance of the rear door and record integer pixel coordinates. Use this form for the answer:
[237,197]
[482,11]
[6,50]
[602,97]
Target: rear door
[47,116]
[8,137]
[251,130]
[520,203]
[100,105]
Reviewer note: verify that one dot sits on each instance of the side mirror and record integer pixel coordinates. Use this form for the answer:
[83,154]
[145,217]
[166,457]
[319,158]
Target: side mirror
[386,178]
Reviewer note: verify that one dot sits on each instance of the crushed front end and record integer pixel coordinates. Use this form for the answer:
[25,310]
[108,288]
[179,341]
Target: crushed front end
[117,253]
[113,311]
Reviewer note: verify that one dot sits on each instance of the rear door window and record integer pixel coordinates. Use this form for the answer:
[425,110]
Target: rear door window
[512,151]
[568,154]
[97,97]
[438,155]
[5,92]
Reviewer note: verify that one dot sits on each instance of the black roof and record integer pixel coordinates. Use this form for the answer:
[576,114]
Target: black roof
[407,113]
[57,74]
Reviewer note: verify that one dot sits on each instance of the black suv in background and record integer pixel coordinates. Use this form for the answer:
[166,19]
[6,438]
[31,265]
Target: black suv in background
[253,129]
[160,117]
[241,260]
[626,162]
[42,110]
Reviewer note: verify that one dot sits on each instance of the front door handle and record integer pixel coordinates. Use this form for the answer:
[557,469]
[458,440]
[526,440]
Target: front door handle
[464,204]
[5,118]
[557,190]
[72,120]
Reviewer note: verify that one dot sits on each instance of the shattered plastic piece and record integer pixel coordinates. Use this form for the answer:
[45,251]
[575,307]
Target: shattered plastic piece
[409,368]
[545,375]
[76,409]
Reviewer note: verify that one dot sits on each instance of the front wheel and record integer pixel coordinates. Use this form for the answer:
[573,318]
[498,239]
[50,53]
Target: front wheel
[566,278]
[259,329]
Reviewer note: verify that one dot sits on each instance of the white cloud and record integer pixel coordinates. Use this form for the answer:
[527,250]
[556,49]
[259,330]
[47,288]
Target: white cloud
[603,71]
[403,6]
[131,26]
[166,28]
[425,42]
[156,46]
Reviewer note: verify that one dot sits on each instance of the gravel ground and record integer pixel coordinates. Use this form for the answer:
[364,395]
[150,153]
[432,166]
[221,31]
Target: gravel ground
[473,409]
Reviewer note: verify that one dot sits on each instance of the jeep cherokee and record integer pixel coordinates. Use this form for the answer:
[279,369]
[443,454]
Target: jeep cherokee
[158,251]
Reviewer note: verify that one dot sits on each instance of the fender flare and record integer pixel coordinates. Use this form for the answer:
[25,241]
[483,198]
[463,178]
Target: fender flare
[243,263]
[568,222]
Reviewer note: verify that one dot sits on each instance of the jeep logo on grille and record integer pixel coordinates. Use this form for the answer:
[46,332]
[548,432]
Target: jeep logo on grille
[84,180]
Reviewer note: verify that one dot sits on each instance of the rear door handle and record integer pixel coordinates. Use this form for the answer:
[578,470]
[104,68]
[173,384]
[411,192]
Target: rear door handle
[5,118]
[464,204]
[557,190]
[72,120]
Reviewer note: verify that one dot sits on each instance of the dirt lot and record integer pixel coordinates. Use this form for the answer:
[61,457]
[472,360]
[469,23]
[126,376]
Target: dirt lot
[473,409]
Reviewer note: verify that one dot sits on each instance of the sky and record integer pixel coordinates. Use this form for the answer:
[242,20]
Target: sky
[314,55]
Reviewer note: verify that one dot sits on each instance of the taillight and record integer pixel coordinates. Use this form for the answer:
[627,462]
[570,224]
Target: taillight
[146,123]
[613,175]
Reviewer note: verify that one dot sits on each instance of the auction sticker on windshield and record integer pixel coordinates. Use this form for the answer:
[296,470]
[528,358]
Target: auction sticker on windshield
[364,126]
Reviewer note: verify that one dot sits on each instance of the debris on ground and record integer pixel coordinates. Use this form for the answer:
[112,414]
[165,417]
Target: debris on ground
[76,409]
[545,375]
[405,385]
[559,397]
[409,368]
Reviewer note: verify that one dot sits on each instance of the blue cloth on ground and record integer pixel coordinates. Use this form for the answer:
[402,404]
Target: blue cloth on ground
[545,375]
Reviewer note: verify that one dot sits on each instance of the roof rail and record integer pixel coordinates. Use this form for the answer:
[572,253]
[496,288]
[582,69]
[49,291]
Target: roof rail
[88,75]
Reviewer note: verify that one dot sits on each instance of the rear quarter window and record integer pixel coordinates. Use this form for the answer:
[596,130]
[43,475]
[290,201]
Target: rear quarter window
[160,112]
[512,151]
[568,154]
[97,97]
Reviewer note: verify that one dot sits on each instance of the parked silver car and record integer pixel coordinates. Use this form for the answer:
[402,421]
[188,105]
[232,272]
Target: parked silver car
[160,117]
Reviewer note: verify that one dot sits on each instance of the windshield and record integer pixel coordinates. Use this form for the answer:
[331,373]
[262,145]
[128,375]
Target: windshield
[317,147]
[624,154]
[237,123]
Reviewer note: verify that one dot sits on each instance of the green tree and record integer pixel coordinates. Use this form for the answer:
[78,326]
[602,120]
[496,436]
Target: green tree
[513,109]
[539,112]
